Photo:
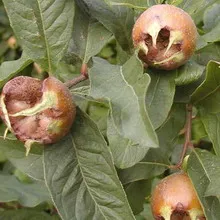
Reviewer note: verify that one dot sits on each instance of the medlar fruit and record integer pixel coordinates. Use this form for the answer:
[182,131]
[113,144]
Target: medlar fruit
[37,111]
[166,36]
[175,198]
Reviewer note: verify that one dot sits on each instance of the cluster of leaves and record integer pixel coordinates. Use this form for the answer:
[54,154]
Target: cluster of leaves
[129,120]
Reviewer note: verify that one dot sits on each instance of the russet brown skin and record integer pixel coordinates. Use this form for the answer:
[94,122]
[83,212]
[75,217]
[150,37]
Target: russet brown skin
[175,191]
[65,110]
[46,126]
[166,18]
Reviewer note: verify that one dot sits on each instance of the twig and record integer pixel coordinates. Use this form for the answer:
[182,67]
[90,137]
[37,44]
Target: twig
[83,76]
[187,143]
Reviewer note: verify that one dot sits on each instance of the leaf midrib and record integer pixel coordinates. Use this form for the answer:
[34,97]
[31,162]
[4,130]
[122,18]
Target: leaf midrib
[84,178]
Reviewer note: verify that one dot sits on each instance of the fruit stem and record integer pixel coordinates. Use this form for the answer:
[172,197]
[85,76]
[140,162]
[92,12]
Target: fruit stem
[187,142]
[83,76]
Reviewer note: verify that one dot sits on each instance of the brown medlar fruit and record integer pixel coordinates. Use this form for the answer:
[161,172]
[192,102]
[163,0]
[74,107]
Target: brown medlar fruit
[166,36]
[175,198]
[37,111]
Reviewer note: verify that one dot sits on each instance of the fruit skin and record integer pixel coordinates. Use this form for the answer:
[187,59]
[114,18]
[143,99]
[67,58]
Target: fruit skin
[172,21]
[38,111]
[176,194]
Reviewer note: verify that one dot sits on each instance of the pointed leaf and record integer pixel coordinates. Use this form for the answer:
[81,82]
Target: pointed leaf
[160,95]
[194,8]
[125,88]
[198,129]
[32,165]
[188,73]
[85,184]
[136,193]
[207,99]
[28,195]
[174,2]
[125,152]
[208,91]
[43,28]
[211,17]
[212,166]
[213,35]
[9,69]
[14,150]
[138,4]
[156,160]
[207,53]
[117,19]
[88,37]
[23,214]
[211,123]
[204,172]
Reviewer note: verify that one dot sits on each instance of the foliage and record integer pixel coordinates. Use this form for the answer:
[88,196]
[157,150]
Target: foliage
[130,120]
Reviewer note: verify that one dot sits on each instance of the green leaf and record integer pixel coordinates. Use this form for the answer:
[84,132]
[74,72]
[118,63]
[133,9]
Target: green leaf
[98,112]
[88,37]
[213,35]
[43,28]
[138,4]
[208,91]
[14,150]
[188,73]
[145,169]
[10,69]
[211,123]
[136,193]
[211,17]
[210,52]
[198,129]
[203,169]
[174,2]
[28,195]
[146,214]
[3,48]
[196,8]
[85,184]
[26,214]
[169,132]
[66,72]
[160,95]
[212,166]
[125,88]
[125,152]
[32,165]
[200,43]
[156,160]
[117,19]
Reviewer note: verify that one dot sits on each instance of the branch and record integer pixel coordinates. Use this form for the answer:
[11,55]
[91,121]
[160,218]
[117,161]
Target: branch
[187,142]
[83,76]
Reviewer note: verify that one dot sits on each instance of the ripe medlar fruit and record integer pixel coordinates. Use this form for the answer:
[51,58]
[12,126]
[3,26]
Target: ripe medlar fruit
[166,36]
[37,111]
[175,198]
